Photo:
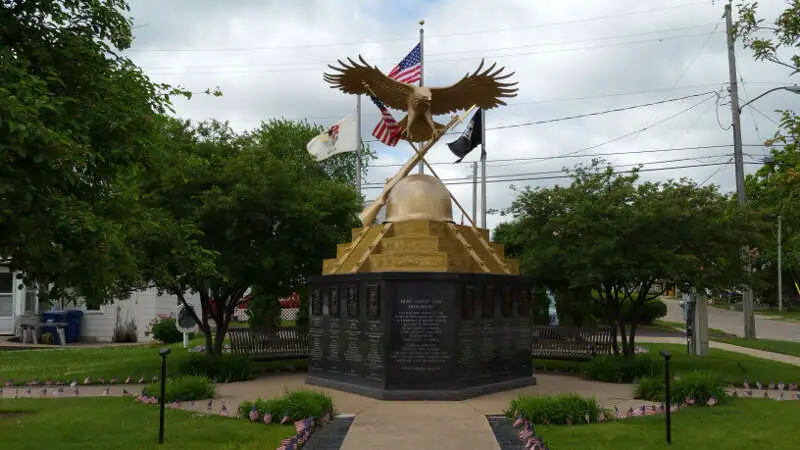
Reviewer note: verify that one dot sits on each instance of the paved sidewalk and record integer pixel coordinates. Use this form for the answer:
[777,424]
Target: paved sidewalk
[788,359]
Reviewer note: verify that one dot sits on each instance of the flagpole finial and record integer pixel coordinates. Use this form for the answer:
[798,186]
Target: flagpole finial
[421,23]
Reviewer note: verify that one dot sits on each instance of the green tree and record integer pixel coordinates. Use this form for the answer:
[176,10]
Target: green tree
[612,234]
[74,115]
[775,188]
[248,211]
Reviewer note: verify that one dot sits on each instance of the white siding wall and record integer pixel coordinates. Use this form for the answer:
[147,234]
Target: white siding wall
[142,307]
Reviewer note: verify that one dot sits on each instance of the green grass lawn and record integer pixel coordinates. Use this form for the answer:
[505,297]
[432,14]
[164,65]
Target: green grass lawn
[768,345]
[789,316]
[736,424]
[121,423]
[732,367]
[681,326]
[66,364]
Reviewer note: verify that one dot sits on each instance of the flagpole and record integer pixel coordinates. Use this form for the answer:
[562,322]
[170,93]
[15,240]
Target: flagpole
[421,69]
[360,144]
[483,168]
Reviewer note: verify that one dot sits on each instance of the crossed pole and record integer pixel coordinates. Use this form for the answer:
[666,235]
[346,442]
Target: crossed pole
[369,213]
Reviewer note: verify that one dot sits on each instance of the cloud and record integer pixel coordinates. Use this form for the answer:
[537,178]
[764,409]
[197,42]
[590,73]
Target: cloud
[570,57]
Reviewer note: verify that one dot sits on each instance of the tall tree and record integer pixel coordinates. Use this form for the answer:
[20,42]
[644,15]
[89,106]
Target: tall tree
[775,188]
[613,234]
[74,115]
[254,211]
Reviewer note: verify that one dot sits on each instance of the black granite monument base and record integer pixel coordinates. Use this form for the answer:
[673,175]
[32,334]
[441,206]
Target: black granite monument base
[420,335]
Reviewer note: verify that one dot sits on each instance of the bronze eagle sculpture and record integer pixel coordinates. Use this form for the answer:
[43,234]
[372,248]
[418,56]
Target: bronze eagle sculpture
[482,89]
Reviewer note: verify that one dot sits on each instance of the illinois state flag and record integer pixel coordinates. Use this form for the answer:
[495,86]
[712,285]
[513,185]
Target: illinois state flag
[339,138]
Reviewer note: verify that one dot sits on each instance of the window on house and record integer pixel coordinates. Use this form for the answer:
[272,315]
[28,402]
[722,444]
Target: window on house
[6,294]
[31,297]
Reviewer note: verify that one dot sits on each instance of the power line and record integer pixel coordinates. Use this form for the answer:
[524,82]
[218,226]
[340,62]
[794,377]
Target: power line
[640,130]
[691,63]
[714,173]
[376,115]
[544,158]
[552,171]
[511,180]
[472,51]
[315,66]
[578,116]
[434,36]
[526,124]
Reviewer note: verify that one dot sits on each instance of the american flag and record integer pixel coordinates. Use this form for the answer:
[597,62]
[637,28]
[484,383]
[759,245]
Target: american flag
[601,417]
[781,386]
[712,401]
[267,417]
[520,420]
[288,444]
[771,385]
[793,387]
[409,69]
[746,384]
[254,416]
[759,385]
[286,417]
[387,130]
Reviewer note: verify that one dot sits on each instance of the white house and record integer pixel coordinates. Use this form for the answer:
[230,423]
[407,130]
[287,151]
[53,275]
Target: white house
[97,324]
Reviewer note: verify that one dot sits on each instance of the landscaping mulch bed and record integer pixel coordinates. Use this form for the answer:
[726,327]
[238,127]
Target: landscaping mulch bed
[331,436]
[504,433]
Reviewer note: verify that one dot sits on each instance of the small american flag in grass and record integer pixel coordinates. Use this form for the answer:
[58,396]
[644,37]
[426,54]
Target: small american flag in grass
[288,444]
[286,417]
[781,386]
[267,418]
[517,423]
[601,417]
[793,386]
[254,415]
[712,401]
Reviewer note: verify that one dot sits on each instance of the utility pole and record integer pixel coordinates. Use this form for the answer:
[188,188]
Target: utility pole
[474,191]
[747,292]
[780,267]
[483,168]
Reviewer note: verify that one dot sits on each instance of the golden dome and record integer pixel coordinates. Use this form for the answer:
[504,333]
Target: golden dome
[419,197]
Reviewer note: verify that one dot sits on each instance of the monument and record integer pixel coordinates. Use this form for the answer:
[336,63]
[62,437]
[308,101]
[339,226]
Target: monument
[419,307]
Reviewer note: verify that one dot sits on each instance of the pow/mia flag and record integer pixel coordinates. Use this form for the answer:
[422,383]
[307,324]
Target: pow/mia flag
[470,138]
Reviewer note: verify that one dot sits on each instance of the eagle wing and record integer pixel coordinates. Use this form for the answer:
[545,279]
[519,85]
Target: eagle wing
[363,79]
[482,89]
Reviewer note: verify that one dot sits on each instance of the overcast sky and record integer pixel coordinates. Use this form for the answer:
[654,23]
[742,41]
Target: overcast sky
[571,57]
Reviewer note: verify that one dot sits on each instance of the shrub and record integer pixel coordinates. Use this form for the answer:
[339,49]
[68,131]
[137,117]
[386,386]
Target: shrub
[298,404]
[618,369]
[555,410]
[696,385]
[650,388]
[185,388]
[653,310]
[221,368]
[163,329]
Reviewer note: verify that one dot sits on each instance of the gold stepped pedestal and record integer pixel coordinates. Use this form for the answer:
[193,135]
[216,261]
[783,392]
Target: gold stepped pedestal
[420,246]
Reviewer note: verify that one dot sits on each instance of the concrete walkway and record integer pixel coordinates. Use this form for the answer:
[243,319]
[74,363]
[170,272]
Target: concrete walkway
[788,359]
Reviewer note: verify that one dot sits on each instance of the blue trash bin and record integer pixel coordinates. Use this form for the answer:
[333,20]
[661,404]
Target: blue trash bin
[73,331]
[54,316]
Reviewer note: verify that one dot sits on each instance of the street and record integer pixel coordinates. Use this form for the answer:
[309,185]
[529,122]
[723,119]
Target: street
[733,322]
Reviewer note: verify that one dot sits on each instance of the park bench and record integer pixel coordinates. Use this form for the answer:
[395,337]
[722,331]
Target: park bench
[272,344]
[570,343]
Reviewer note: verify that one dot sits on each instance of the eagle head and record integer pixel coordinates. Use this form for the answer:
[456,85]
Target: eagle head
[421,95]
